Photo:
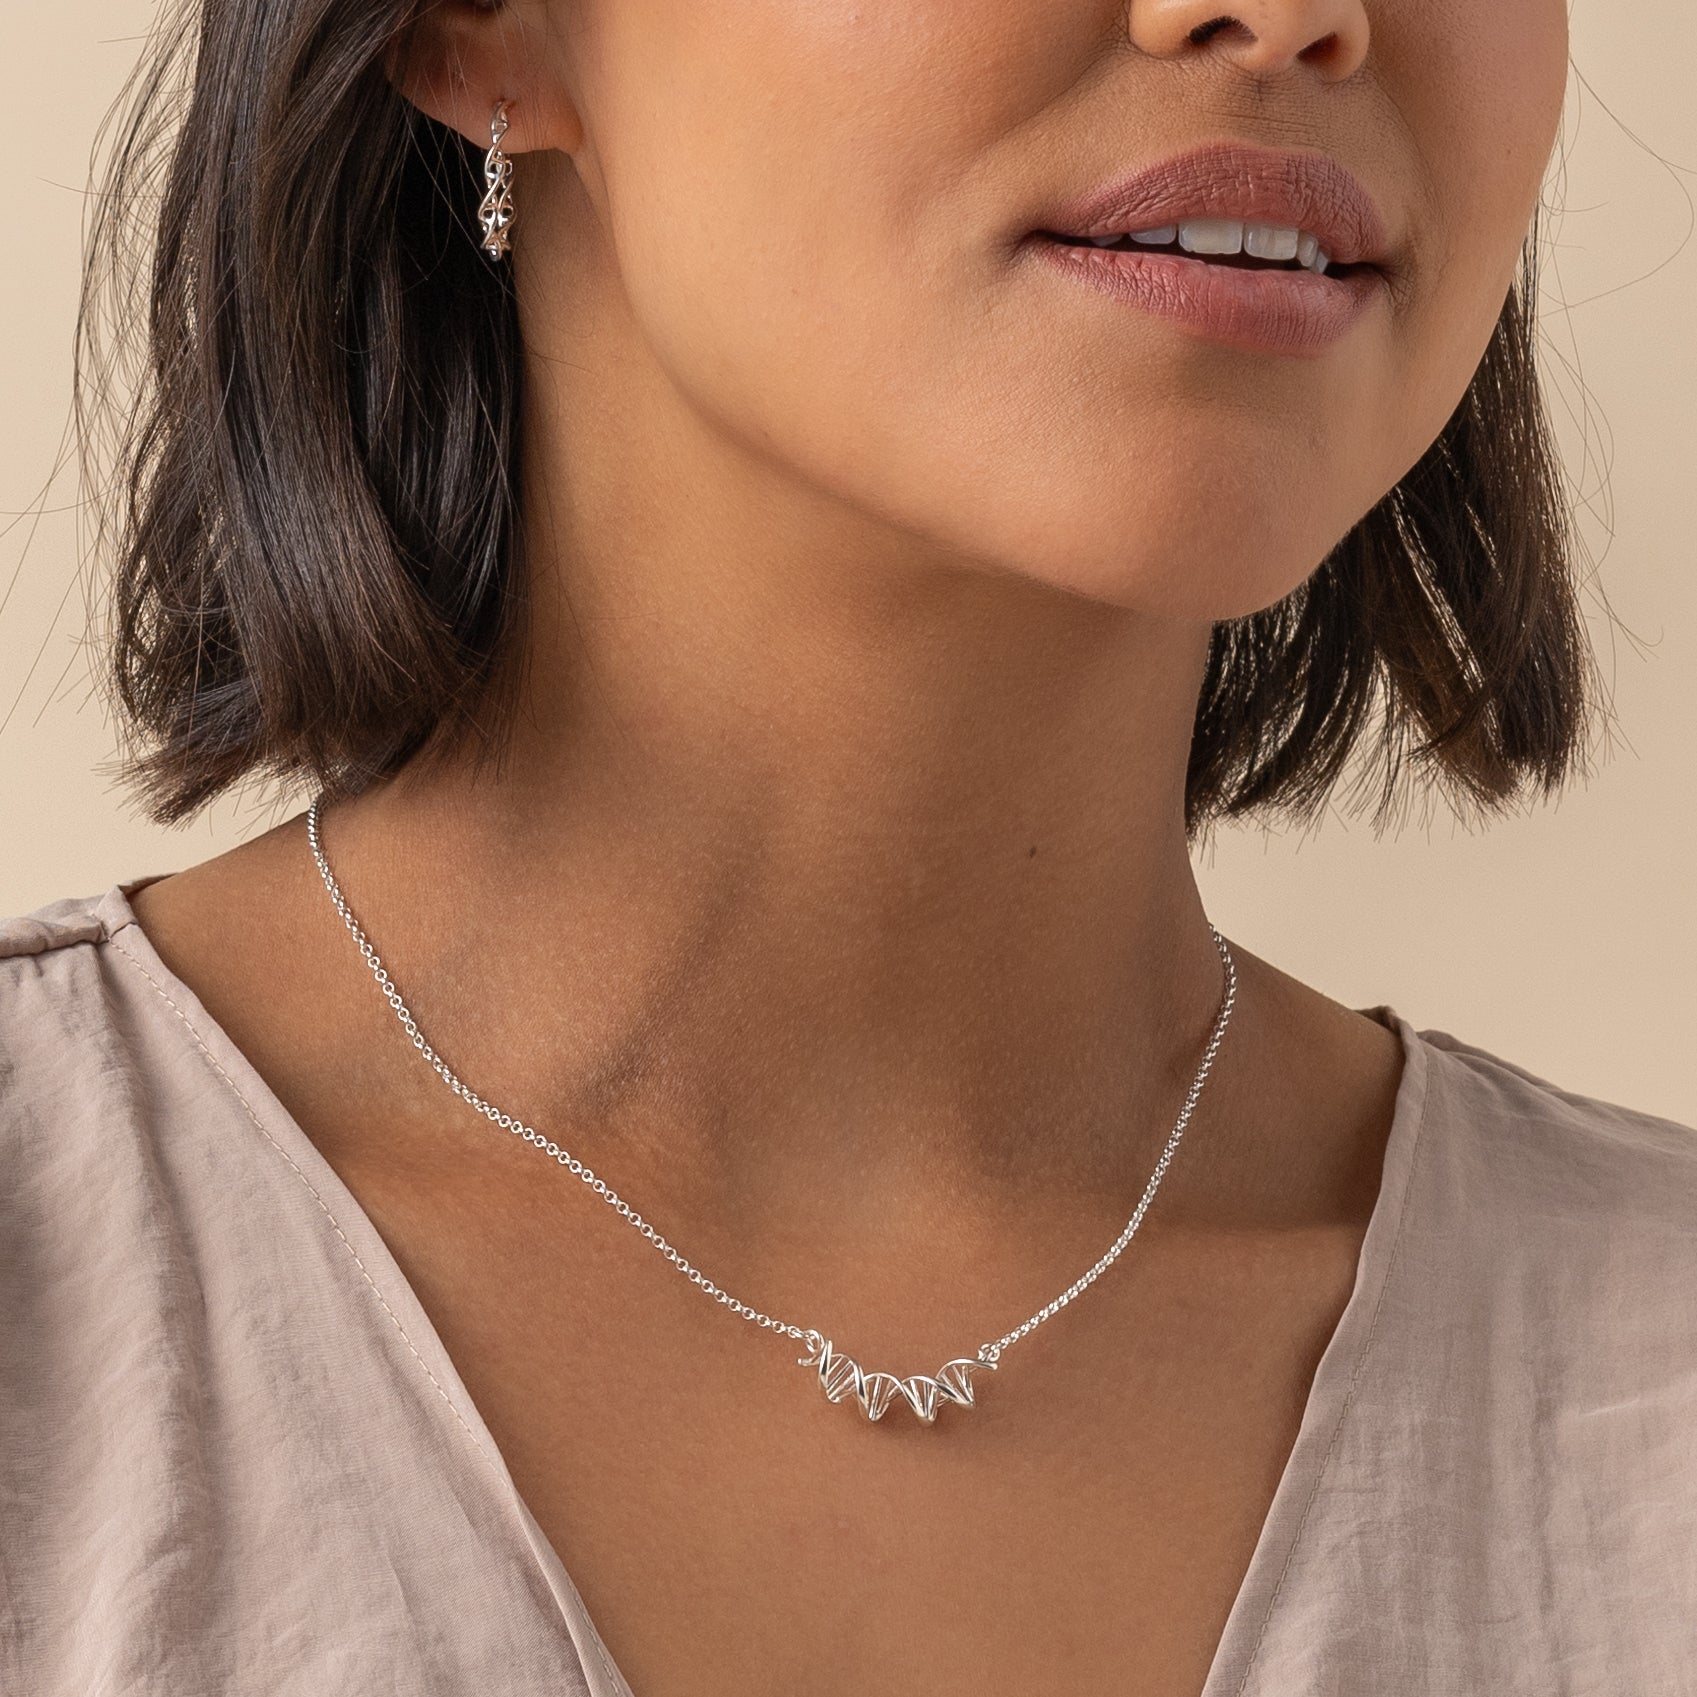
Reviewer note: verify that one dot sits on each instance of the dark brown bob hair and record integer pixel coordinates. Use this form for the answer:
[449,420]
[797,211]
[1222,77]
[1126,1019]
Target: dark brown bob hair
[309,376]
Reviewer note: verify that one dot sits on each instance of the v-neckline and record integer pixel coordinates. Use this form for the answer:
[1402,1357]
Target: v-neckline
[1327,1405]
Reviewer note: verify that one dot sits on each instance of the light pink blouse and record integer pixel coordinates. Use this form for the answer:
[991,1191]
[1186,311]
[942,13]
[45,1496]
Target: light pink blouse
[235,1458]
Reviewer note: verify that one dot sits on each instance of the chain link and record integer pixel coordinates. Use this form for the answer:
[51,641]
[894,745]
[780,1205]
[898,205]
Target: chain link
[987,1352]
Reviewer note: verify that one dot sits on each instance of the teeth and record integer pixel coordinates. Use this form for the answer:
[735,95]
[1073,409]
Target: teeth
[1278,242]
[1312,255]
[1270,241]
[1211,235]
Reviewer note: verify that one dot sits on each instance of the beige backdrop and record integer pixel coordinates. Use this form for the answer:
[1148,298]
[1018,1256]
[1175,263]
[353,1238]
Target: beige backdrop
[1562,938]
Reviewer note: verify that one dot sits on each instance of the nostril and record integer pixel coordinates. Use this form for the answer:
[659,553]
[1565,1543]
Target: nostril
[1204,33]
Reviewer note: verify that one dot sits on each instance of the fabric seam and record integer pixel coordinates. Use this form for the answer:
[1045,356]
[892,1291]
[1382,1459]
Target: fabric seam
[111,936]
[1415,1153]
[294,1166]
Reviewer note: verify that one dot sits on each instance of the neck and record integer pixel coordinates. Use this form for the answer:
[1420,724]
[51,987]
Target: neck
[830,855]
[932,916]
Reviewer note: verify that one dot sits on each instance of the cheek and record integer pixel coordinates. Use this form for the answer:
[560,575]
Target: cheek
[804,203]
[808,208]
[1480,96]
[770,166]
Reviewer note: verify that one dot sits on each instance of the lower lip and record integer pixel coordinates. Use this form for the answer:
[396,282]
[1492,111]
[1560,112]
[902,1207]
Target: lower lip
[1279,312]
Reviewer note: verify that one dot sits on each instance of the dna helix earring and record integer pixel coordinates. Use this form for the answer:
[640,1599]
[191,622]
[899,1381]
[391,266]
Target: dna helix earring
[495,213]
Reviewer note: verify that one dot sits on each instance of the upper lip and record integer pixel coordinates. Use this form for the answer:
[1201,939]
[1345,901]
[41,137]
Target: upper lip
[1303,191]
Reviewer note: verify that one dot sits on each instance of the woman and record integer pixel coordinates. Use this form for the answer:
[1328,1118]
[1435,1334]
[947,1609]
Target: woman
[769,597]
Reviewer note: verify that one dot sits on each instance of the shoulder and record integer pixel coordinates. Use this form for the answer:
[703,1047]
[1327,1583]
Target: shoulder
[1528,1130]
[71,1093]
[58,925]
[51,967]
[57,964]
[85,1042]
[1545,1201]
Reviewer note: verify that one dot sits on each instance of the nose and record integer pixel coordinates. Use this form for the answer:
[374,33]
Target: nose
[1261,36]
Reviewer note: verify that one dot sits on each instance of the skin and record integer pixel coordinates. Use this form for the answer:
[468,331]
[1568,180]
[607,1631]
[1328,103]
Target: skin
[833,897]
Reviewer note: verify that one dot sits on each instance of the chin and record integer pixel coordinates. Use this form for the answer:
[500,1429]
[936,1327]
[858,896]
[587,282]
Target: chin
[1190,597]
[1181,564]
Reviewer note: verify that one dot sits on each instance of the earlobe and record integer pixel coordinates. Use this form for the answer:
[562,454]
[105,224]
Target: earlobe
[459,60]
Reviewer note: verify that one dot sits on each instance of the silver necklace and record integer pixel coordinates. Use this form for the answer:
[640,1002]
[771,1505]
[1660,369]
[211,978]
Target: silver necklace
[840,1376]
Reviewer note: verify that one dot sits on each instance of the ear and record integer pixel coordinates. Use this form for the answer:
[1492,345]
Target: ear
[462,56]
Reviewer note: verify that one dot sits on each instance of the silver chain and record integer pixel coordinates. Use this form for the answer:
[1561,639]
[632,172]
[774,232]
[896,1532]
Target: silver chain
[988,1352]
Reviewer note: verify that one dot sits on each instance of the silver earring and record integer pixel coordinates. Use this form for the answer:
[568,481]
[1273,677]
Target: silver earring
[495,213]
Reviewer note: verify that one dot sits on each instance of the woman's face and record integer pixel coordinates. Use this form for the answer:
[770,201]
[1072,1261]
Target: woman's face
[821,216]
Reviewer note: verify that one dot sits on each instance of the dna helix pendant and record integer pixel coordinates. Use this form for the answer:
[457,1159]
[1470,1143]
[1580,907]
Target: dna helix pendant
[495,211]
[925,1393]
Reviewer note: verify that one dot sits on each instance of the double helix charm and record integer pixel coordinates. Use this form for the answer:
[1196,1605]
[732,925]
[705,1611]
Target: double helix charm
[495,213]
[924,1393]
